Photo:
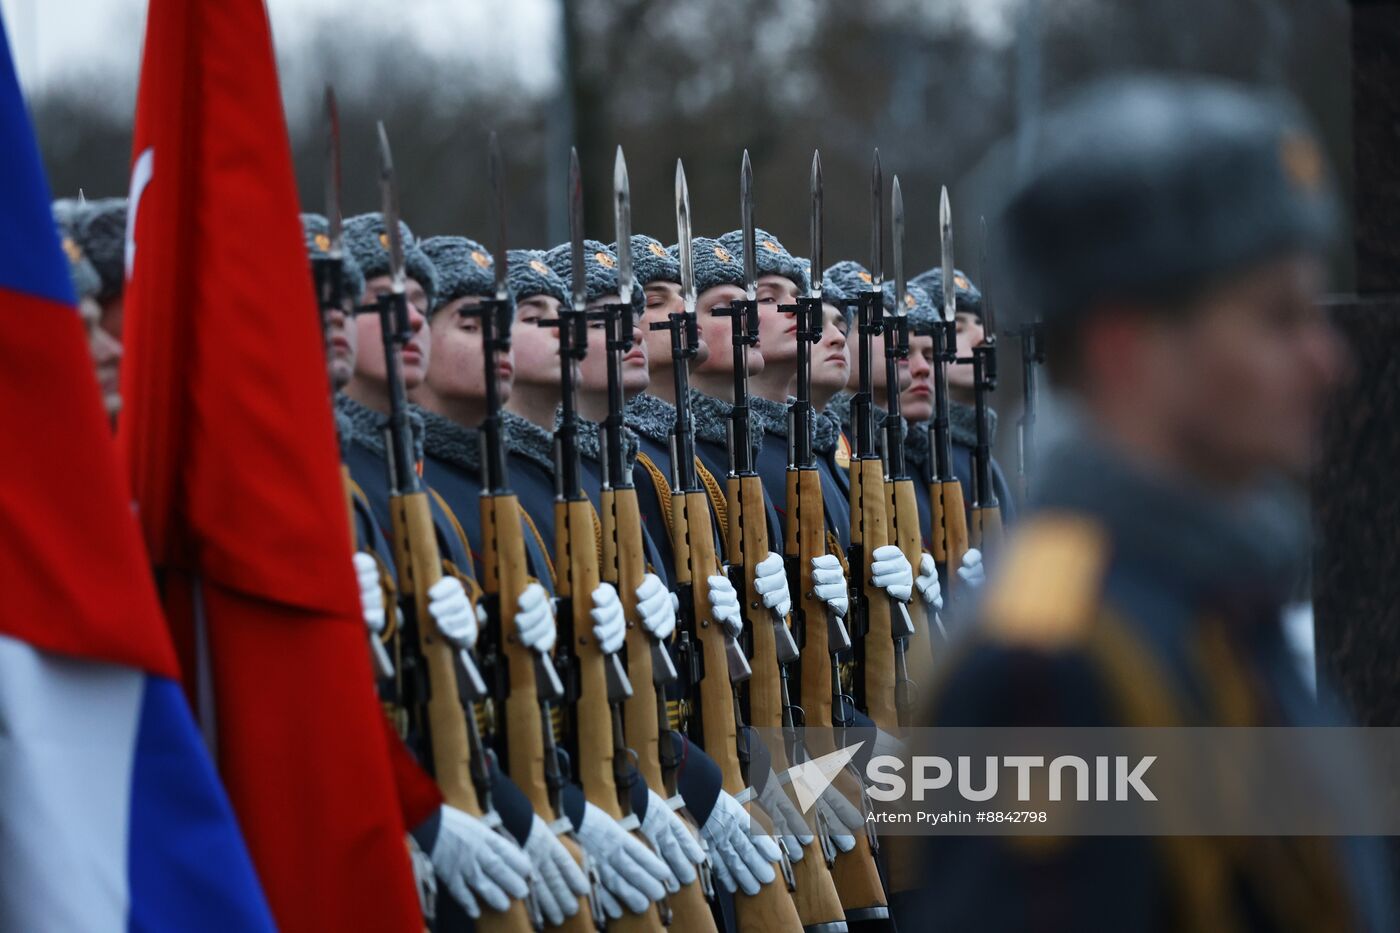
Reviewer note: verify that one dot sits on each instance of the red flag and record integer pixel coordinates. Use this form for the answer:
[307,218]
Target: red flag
[227,430]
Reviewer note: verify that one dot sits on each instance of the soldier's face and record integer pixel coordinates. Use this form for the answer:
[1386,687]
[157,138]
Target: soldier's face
[1259,359]
[536,348]
[831,358]
[877,367]
[593,371]
[369,356]
[970,334]
[717,331]
[106,355]
[458,369]
[777,330]
[916,402]
[341,341]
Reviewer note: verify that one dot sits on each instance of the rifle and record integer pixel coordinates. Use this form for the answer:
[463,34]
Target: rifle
[774,649]
[872,610]
[986,531]
[909,628]
[446,675]
[649,664]
[604,768]
[532,685]
[856,876]
[693,540]
[328,275]
[950,540]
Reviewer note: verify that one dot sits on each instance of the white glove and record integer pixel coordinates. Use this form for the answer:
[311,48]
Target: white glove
[927,581]
[741,860]
[671,839]
[453,612]
[787,819]
[724,604]
[474,861]
[843,819]
[972,571]
[630,872]
[558,882]
[424,880]
[829,583]
[770,582]
[371,593]
[534,619]
[658,608]
[609,625]
[891,572]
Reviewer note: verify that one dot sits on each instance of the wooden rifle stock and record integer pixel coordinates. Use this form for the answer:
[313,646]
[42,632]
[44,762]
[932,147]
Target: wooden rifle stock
[818,904]
[905,533]
[504,563]
[986,531]
[624,565]
[869,531]
[950,533]
[855,874]
[693,542]
[420,566]
[577,576]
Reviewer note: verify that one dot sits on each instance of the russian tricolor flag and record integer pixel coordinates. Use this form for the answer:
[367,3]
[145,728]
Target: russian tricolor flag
[111,815]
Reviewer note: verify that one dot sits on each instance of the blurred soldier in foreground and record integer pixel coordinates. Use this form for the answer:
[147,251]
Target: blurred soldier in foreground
[1172,237]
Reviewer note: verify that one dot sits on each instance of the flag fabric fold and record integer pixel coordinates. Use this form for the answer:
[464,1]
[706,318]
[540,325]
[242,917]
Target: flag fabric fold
[111,815]
[228,437]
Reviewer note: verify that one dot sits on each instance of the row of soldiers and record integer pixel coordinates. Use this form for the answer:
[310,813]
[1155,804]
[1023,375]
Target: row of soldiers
[616,505]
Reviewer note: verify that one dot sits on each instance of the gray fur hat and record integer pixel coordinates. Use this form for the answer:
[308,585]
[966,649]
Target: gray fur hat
[99,227]
[529,275]
[600,268]
[770,257]
[86,282]
[464,267]
[966,296]
[919,306]
[715,265]
[65,214]
[1150,188]
[317,231]
[651,262]
[367,241]
[847,278]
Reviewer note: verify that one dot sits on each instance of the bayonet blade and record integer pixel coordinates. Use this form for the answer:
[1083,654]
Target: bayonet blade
[897,225]
[498,194]
[746,225]
[82,198]
[877,223]
[945,231]
[389,201]
[333,212]
[622,225]
[816,226]
[683,244]
[579,281]
[989,321]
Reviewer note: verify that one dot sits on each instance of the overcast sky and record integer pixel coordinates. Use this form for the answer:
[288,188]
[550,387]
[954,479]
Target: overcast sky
[61,39]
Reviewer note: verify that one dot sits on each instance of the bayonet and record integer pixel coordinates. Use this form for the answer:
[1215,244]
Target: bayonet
[897,221]
[622,221]
[989,323]
[945,229]
[333,210]
[578,280]
[746,225]
[389,199]
[816,223]
[498,191]
[683,241]
[877,223]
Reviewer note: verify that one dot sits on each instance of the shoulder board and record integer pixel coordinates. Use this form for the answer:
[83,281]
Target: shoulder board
[1047,592]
